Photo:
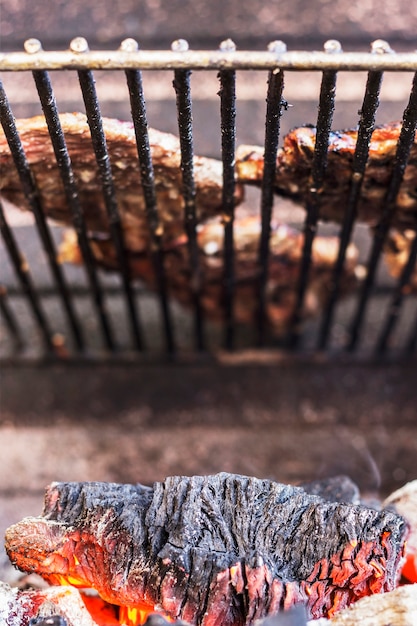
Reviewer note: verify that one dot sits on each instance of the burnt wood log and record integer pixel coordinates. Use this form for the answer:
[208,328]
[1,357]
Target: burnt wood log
[211,550]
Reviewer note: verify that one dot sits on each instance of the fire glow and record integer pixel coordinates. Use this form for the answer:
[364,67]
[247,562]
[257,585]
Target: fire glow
[96,606]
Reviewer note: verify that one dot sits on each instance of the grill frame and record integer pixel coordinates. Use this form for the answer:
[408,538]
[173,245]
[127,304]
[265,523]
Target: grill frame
[227,61]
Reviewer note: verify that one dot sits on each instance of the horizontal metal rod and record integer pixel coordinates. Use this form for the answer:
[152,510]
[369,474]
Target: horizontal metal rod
[206,59]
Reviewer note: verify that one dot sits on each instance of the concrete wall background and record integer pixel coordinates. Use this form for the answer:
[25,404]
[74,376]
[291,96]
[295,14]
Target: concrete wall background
[304,23]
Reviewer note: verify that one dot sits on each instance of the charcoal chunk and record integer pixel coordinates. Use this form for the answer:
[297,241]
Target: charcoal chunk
[222,549]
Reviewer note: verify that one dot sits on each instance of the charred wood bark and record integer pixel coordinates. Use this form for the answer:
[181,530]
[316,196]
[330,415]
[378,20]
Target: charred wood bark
[211,550]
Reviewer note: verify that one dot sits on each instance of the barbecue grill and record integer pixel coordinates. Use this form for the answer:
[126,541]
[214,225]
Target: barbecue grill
[276,62]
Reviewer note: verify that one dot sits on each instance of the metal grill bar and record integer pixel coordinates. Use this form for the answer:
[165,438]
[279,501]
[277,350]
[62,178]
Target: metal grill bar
[10,319]
[47,99]
[227,95]
[405,141]
[203,60]
[30,191]
[411,344]
[98,138]
[185,128]
[324,122]
[138,108]
[274,105]
[395,306]
[366,127]
[23,273]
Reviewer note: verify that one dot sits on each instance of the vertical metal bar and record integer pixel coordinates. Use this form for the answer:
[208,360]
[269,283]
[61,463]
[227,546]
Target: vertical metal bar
[95,122]
[185,128]
[10,319]
[22,271]
[399,293]
[138,108]
[32,196]
[366,126]
[405,142]
[411,343]
[324,122]
[274,105]
[227,95]
[63,159]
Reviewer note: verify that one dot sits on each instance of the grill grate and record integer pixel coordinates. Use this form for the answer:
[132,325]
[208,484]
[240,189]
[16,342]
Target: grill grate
[276,61]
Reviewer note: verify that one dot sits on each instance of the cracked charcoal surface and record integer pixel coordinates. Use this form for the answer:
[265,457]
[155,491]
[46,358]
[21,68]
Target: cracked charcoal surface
[216,549]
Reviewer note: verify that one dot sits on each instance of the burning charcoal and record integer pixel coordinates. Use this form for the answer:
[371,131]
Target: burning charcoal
[404,502]
[55,606]
[222,549]
[334,489]
[396,608]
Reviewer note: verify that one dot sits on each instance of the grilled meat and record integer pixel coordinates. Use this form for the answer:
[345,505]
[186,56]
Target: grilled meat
[121,144]
[286,246]
[293,173]
[396,253]
[223,549]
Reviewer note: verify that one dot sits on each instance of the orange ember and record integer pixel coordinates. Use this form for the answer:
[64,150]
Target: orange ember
[104,613]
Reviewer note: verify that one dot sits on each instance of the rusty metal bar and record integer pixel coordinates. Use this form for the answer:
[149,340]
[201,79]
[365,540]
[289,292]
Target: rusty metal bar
[324,122]
[123,59]
[185,128]
[405,142]
[47,99]
[10,319]
[23,273]
[98,138]
[138,109]
[366,126]
[32,196]
[227,95]
[397,299]
[274,106]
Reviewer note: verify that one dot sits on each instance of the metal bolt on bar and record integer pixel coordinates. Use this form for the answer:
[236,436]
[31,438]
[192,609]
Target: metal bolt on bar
[227,95]
[185,128]
[10,319]
[32,196]
[324,122]
[395,306]
[360,157]
[95,122]
[138,109]
[23,273]
[63,159]
[405,142]
[274,106]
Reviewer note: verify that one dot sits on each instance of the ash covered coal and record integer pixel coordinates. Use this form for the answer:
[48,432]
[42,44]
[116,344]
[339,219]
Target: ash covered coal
[223,549]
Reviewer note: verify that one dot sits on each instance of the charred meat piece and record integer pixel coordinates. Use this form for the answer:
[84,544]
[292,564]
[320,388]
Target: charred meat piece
[211,550]
[293,173]
[397,250]
[286,246]
[121,144]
